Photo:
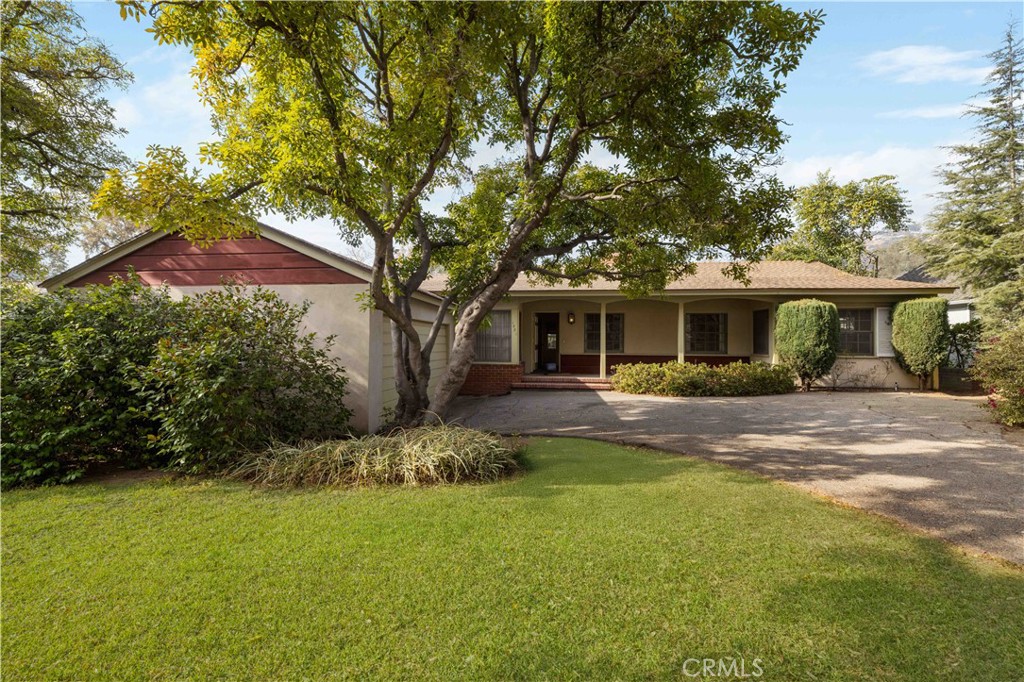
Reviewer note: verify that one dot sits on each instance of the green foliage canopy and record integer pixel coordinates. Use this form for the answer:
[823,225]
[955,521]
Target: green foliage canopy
[359,112]
[807,337]
[835,222]
[57,133]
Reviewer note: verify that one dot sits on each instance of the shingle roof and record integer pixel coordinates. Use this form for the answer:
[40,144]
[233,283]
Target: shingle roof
[766,275]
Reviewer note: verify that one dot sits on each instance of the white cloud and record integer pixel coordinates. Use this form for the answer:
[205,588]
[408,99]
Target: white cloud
[925,64]
[914,168]
[167,111]
[935,111]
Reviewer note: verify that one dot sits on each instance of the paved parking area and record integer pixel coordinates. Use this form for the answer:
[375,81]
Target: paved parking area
[933,461]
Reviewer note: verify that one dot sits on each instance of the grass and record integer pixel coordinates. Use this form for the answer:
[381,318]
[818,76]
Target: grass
[599,562]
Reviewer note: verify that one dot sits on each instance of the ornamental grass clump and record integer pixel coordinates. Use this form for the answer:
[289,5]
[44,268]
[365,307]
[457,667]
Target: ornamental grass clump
[419,456]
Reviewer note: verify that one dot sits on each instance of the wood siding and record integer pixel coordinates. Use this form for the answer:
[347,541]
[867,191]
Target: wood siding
[176,261]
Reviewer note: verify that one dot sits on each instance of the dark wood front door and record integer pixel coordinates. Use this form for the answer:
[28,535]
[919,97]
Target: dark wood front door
[547,342]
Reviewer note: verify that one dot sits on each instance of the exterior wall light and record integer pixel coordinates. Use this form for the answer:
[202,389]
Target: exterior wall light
[572,318]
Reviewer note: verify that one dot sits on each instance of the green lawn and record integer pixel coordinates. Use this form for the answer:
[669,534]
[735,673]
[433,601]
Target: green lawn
[599,563]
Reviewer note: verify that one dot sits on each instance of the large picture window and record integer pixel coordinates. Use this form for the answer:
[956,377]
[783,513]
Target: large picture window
[615,332]
[856,331]
[706,333]
[494,344]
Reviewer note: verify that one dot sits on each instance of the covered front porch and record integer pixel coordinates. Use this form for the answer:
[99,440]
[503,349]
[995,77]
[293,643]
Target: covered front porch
[590,337]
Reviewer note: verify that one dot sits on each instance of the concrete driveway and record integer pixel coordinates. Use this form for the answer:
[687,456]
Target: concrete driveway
[932,461]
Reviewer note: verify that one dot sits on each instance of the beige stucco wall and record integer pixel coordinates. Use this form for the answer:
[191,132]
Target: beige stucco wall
[334,310]
[651,327]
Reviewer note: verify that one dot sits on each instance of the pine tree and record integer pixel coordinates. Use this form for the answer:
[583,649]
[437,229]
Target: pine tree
[979,228]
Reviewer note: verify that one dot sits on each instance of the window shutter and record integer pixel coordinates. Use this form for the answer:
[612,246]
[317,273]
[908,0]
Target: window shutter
[883,333]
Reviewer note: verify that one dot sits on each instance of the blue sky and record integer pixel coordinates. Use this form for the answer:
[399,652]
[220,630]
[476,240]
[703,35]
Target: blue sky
[879,91]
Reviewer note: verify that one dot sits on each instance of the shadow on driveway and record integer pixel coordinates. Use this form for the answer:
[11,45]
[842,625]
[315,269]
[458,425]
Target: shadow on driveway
[933,461]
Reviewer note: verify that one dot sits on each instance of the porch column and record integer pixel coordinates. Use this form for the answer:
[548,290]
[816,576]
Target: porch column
[516,331]
[604,354]
[681,326]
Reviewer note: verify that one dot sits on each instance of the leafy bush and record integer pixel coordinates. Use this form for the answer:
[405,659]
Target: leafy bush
[419,456]
[964,338]
[69,361]
[999,366]
[239,373]
[688,379]
[920,335]
[807,338]
[121,373]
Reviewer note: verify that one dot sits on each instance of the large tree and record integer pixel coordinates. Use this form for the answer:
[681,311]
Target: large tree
[360,112]
[979,227]
[57,133]
[835,222]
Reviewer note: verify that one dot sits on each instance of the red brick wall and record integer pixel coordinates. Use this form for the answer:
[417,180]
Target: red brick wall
[491,379]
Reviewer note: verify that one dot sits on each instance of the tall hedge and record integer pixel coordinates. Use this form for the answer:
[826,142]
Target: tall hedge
[920,335]
[807,338]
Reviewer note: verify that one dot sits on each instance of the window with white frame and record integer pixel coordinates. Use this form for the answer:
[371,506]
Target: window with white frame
[856,331]
[707,333]
[494,343]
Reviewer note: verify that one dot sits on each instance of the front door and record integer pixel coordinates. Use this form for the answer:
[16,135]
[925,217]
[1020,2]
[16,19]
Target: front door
[547,342]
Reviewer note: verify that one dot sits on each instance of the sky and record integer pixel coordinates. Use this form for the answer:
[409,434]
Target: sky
[881,90]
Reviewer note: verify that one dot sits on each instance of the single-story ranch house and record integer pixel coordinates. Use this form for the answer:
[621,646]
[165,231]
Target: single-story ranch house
[539,329]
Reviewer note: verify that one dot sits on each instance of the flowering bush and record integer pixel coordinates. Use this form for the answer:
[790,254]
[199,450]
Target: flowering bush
[999,366]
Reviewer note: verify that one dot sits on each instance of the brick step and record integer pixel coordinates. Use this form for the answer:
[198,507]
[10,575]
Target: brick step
[562,379]
[563,385]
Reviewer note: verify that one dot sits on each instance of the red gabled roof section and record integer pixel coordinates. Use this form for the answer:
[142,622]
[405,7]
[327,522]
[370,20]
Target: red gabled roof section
[176,261]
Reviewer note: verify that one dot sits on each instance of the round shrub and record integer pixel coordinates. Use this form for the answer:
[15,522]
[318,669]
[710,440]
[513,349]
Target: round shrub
[920,335]
[999,366]
[807,338]
[237,374]
[681,379]
[123,374]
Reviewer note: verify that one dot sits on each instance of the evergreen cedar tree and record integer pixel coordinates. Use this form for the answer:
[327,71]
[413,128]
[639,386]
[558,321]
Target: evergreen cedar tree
[979,226]
[807,338]
[920,335]
[359,112]
[57,134]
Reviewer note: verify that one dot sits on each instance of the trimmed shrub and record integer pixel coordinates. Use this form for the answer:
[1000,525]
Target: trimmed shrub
[237,374]
[419,456]
[688,379]
[920,335]
[69,361]
[964,339]
[999,366]
[807,338]
[123,374]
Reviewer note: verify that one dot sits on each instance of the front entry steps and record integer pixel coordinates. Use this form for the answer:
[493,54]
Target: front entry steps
[562,382]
